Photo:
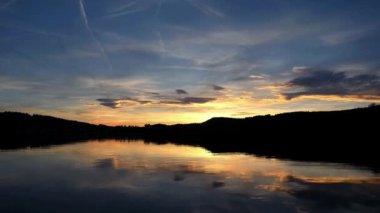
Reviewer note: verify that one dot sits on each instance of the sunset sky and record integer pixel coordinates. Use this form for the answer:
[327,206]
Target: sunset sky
[131,62]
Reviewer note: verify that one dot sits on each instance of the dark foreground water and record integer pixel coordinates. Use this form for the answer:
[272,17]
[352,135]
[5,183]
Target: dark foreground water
[114,176]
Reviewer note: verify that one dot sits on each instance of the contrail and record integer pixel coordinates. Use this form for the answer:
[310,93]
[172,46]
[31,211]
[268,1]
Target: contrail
[88,28]
[161,44]
[159,5]
[83,13]
[135,7]
[126,12]
[7,4]
[124,7]
[205,9]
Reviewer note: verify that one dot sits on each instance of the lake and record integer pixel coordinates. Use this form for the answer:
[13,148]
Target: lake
[133,176]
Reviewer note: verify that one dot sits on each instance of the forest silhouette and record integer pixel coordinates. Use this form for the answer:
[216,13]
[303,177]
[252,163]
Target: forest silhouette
[349,136]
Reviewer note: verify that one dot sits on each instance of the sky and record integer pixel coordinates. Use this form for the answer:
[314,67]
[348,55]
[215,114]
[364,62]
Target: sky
[132,62]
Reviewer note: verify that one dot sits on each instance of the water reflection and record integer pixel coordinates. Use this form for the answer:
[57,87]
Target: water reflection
[116,176]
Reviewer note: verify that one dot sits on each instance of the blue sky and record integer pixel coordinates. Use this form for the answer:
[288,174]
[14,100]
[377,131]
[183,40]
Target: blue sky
[179,61]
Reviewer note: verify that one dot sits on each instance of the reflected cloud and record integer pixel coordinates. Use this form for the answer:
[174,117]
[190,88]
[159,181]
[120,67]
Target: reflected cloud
[179,177]
[334,180]
[273,188]
[218,184]
[344,195]
[107,163]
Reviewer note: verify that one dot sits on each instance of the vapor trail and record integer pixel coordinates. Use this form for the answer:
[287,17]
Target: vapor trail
[162,45]
[206,9]
[126,12]
[124,7]
[88,28]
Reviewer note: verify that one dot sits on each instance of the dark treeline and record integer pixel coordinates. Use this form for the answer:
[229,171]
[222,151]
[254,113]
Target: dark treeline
[23,130]
[350,136]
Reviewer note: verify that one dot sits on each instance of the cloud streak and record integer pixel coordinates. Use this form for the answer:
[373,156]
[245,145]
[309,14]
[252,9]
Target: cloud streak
[133,7]
[92,35]
[162,45]
[126,12]
[206,9]
[253,77]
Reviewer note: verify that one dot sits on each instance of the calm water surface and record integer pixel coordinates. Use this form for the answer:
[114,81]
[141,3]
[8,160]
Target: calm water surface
[115,176]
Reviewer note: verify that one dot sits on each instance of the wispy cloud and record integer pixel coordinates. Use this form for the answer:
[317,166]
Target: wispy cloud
[126,12]
[244,37]
[116,42]
[91,33]
[161,44]
[253,77]
[257,77]
[17,85]
[301,69]
[131,7]
[206,9]
[344,36]
[121,85]
[123,7]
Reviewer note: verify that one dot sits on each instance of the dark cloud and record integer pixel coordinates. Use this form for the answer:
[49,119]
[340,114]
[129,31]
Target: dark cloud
[196,100]
[108,102]
[189,100]
[181,92]
[217,88]
[113,102]
[324,82]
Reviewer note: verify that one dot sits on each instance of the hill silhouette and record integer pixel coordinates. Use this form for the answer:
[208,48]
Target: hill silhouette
[338,136]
